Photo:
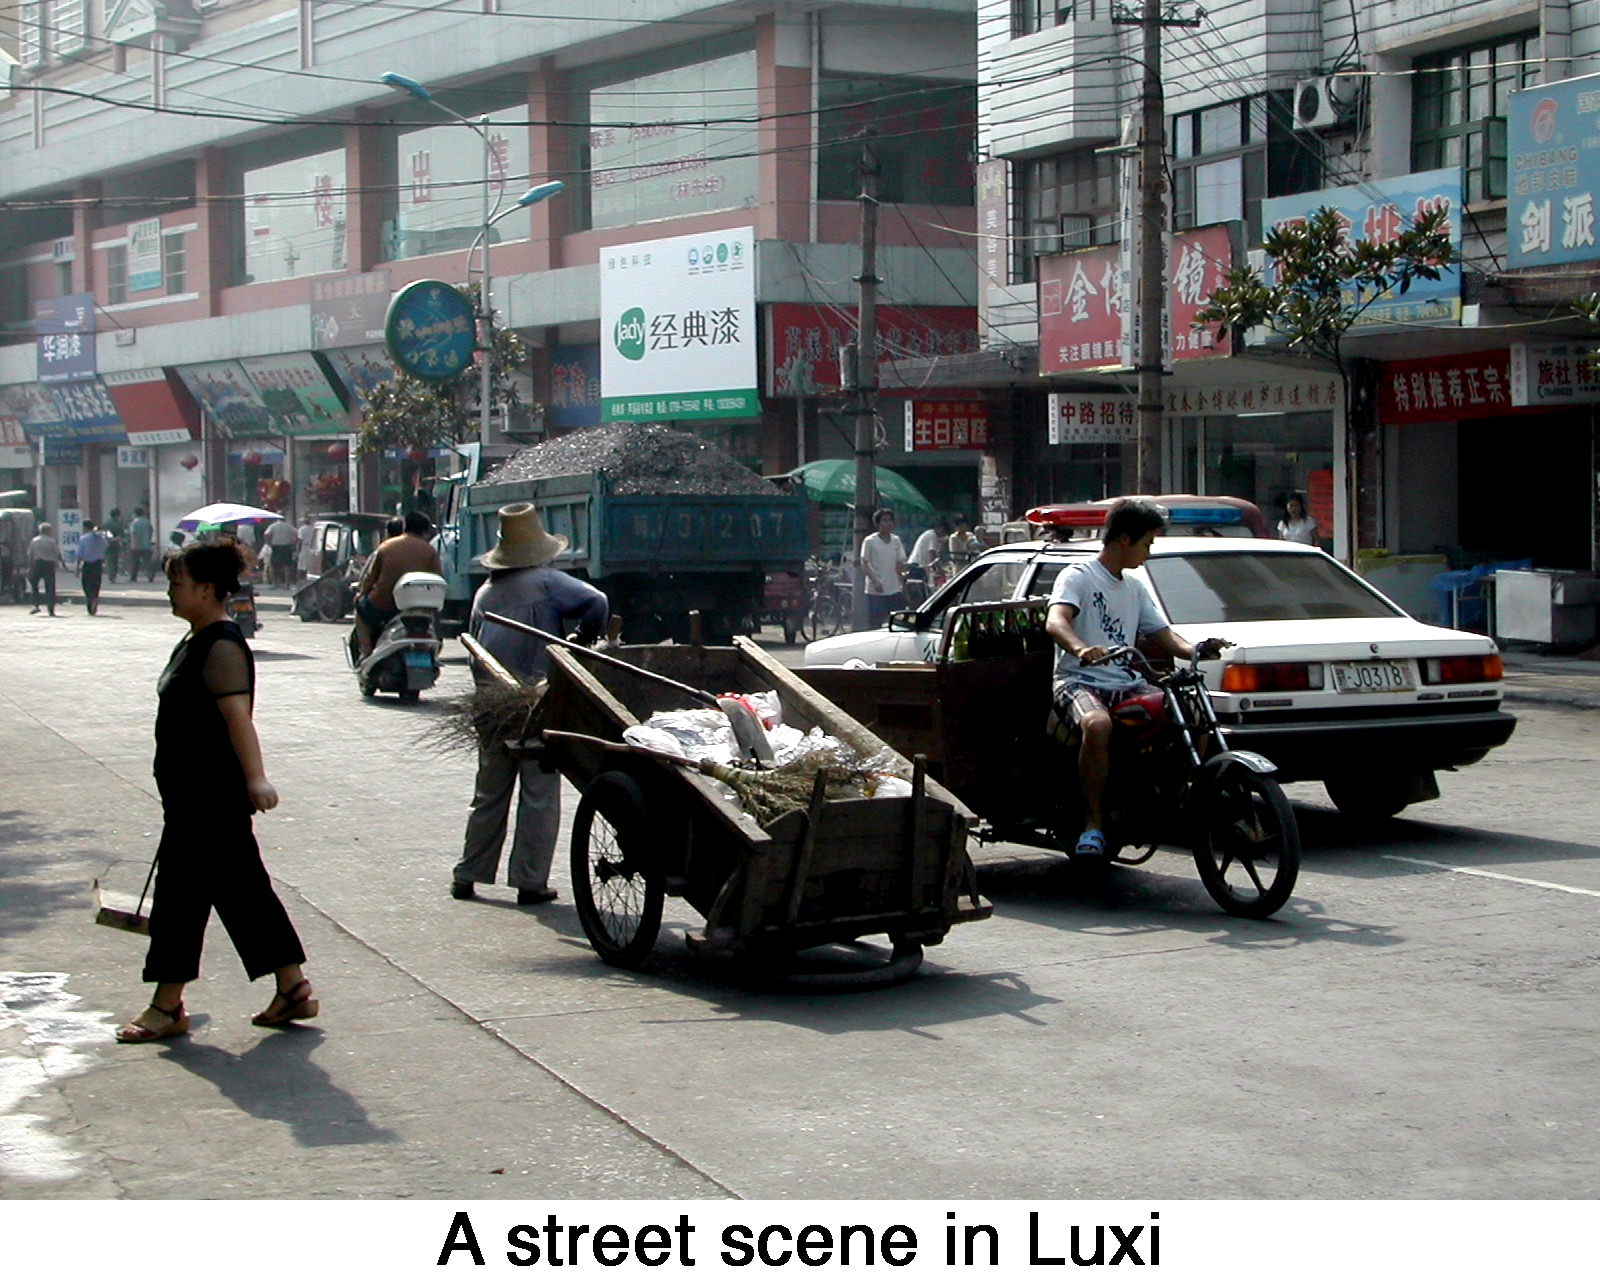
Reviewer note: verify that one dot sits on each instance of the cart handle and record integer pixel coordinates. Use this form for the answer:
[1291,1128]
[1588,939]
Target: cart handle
[699,695]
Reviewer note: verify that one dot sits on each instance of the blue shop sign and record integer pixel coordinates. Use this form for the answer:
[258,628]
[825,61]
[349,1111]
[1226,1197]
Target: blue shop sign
[574,386]
[1553,159]
[1382,211]
[88,414]
[64,344]
[431,331]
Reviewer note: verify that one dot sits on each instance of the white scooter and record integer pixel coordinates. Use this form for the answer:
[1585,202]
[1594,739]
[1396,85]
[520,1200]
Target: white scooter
[405,655]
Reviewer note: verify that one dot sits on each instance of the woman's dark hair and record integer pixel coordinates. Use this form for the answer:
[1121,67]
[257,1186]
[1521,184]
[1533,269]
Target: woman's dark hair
[1132,518]
[879,514]
[219,564]
[394,528]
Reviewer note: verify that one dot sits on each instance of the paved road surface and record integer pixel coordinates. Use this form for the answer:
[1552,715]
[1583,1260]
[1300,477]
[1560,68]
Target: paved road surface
[1403,1029]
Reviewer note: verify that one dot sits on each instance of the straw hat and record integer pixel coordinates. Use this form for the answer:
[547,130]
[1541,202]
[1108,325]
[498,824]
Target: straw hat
[523,542]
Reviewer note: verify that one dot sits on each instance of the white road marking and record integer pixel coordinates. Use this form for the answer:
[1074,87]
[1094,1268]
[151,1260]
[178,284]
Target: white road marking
[57,1036]
[1494,875]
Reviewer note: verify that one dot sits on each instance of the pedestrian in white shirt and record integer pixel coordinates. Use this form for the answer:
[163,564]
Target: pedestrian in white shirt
[927,557]
[883,565]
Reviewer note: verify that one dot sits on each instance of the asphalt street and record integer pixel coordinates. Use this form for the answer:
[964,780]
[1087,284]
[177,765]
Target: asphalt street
[1418,1022]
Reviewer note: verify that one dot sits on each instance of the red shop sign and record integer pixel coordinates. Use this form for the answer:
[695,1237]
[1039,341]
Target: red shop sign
[804,341]
[946,424]
[1474,384]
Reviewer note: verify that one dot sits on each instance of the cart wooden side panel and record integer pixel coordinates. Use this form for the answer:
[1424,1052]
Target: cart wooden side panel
[974,720]
[841,870]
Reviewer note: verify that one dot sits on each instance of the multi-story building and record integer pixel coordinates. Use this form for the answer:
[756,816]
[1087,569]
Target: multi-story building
[1472,434]
[206,204]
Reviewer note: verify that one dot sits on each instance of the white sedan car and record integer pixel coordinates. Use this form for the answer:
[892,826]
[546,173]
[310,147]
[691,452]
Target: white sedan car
[1328,678]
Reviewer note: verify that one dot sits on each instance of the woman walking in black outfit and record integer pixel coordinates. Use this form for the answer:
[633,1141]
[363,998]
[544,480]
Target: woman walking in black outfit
[209,773]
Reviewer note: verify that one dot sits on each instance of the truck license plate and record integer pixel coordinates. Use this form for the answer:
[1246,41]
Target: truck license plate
[1372,677]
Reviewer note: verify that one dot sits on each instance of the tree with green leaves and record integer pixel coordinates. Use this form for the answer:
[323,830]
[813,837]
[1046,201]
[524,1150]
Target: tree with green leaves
[1320,284]
[408,412]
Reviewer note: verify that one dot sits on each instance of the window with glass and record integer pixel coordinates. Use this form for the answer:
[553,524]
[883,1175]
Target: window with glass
[116,274]
[1063,202]
[1225,159]
[1459,101]
[1029,16]
[292,222]
[438,206]
[175,262]
[924,135]
[669,135]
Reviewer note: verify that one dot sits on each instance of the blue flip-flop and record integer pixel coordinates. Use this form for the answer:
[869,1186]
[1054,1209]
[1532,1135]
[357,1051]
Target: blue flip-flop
[1092,844]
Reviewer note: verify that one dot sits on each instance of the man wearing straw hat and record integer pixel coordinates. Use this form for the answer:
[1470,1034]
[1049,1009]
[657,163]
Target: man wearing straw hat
[522,586]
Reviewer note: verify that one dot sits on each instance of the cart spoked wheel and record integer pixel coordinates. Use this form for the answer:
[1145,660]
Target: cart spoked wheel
[843,966]
[329,601]
[616,883]
[1247,843]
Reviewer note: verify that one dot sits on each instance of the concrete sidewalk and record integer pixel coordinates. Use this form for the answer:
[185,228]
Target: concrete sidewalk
[124,594]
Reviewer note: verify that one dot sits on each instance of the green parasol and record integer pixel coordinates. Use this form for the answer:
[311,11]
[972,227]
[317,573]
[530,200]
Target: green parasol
[832,482]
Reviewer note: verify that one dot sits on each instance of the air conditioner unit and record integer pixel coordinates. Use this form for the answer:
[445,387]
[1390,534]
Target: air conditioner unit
[1327,101]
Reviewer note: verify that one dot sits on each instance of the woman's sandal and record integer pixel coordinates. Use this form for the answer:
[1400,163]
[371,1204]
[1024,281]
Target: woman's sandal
[292,1010]
[136,1032]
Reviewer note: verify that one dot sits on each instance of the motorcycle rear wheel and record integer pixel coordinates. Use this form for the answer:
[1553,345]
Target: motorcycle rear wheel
[1246,843]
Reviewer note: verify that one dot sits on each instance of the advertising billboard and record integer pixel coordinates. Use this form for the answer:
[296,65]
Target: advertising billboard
[1553,173]
[678,328]
[1378,212]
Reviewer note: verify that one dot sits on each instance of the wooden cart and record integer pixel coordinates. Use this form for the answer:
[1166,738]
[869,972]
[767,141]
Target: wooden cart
[839,871]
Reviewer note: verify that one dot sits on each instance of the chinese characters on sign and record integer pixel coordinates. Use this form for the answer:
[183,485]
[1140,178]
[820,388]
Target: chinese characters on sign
[1475,384]
[946,424]
[64,344]
[1377,212]
[1554,373]
[144,255]
[1300,396]
[677,324]
[1083,314]
[1553,141]
[1092,418]
[804,340]
[991,210]
[575,386]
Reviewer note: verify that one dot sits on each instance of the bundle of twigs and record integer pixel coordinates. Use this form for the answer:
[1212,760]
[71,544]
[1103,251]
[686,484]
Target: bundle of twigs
[766,794]
[504,708]
[491,713]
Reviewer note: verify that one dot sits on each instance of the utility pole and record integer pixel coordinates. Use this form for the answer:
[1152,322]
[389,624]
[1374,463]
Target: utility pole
[866,377]
[1151,235]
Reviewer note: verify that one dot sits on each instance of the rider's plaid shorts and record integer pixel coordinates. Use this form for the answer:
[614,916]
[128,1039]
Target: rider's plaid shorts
[1075,702]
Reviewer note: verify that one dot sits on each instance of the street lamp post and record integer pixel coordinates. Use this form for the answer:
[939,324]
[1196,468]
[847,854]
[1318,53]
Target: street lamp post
[491,215]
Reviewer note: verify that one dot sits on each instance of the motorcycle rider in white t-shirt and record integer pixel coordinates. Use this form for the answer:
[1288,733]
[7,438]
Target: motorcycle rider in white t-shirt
[1093,609]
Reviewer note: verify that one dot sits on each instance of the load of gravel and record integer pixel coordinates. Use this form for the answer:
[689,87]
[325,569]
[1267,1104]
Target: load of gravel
[637,459]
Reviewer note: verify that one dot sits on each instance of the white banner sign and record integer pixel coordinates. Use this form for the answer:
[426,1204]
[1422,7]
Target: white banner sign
[1554,373]
[678,328]
[144,255]
[1092,418]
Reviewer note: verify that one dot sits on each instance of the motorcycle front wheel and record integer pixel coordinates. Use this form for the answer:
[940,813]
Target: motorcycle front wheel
[1246,842]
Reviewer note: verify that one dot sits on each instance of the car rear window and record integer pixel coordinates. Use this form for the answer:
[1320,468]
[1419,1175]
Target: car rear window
[1260,588]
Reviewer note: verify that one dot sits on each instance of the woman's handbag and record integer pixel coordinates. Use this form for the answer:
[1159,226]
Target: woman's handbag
[111,908]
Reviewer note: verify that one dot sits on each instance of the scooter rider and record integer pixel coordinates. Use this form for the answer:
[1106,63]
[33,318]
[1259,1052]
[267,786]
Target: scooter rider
[1094,608]
[408,552]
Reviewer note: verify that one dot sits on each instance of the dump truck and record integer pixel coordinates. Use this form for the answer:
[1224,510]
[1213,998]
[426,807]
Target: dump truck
[664,523]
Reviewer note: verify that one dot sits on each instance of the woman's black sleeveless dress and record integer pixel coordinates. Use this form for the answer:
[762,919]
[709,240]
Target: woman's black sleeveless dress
[208,855]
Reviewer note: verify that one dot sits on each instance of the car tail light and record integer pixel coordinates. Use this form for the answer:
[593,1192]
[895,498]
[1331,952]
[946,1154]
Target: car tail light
[1468,669]
[1271,677]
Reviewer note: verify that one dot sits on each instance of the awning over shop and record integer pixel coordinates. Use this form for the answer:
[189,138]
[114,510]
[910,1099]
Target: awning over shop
[298,396]
[78,412]
[225,391]
[155,406]
[361,369]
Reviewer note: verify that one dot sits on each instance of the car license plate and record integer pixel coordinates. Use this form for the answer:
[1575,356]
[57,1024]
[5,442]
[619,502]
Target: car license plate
[416,658]
[1372,677]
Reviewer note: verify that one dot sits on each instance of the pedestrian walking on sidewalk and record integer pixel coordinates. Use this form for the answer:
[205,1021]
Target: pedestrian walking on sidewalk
[116,538]
[212,781]
[92,545]
[521,586]
[141,546]
[44,558]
